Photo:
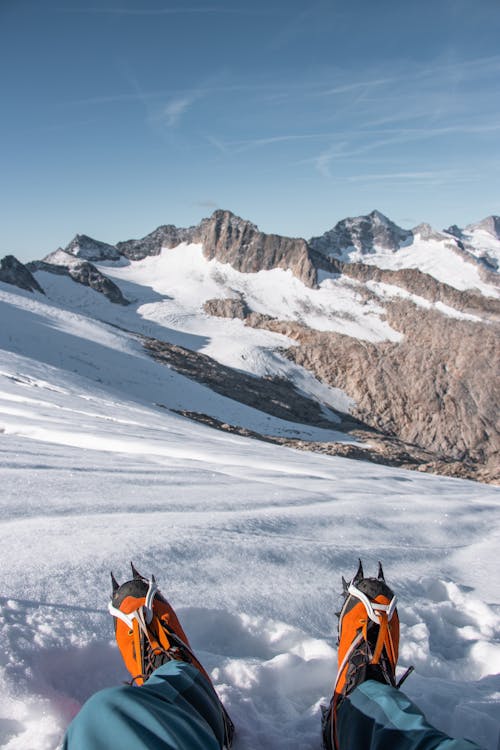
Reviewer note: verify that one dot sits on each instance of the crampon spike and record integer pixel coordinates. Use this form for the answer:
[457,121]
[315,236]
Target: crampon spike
[114,583]
[359,573]
[135,572]
[380,575]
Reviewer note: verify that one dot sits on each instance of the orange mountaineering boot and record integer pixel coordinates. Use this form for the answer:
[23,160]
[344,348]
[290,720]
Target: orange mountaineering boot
[148,633]
[368,643]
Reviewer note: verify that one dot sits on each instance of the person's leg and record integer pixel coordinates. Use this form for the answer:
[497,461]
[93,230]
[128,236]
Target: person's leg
[176,709]
[367,711]
[376,716]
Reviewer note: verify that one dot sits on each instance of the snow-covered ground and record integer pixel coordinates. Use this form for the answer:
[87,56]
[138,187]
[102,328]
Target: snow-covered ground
[436,257]
[169,291]
[248,541]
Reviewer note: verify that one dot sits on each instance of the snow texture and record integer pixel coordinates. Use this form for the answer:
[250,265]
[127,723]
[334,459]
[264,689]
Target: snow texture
[247,540]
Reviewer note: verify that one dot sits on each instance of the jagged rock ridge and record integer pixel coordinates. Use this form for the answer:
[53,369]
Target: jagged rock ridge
[362,233]
[85,247]
[230,239]
[165,236]
[491,225]
[81,271]
[16,273]
[433,390]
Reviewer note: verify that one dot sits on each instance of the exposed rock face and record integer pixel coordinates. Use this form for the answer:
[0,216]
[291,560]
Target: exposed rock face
[274,396]
[433,390]
[455,231]
[227,308]
[381,450]
[426,232]
[362,233]
[14,272]
[423,285]
[232,240]
[83,273]
[82,246]
[490,224]
[164,236]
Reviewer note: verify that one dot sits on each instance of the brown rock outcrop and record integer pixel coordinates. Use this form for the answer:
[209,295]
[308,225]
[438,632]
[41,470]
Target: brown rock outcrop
[232,240]
[271,395]
[423,285]
[227,308]
[435,390]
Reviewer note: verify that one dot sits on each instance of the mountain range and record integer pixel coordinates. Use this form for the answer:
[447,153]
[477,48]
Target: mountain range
[369,341]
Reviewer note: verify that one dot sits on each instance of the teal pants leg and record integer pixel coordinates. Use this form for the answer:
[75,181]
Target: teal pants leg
[176,709]
[376,716]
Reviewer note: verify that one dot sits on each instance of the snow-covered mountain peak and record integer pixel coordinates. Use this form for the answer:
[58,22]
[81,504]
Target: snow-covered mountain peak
[87,248]
[378,216]
[482,239]
[490,225]
[354,237]
[14,272]
[425,231]
[228,218]
[62,257]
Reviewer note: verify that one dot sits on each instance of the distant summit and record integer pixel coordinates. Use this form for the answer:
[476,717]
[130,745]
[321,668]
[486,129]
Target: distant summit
[14,272]
[85,247]
[230,239]
[361,233]
[491,225]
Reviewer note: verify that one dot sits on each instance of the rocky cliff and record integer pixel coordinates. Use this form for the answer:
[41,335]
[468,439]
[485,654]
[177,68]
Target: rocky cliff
[434,390]
[230,239]
[362,233]
[165,236]
[85,247]
[82,272]
[16,273]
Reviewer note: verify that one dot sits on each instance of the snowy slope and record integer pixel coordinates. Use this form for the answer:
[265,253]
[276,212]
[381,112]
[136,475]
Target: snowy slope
[248,540]
[168,292]
[483,243]
[435,257]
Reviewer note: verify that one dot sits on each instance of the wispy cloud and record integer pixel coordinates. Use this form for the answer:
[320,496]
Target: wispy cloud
[218,144]
[323,161]
[206,204]
[356,85]
[175,108]
[429,175]
[166,11]
[236,147]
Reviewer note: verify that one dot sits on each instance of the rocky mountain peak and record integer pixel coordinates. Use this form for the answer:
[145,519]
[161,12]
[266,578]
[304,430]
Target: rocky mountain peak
[455,231]
[231,239]
[12,271]
[87,248]
[223,217]
[378,217]
[427,232]
[361,233]
[166,235]
[491,225]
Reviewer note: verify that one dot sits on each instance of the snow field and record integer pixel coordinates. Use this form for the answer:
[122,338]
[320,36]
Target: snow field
[247,540]
[251,554]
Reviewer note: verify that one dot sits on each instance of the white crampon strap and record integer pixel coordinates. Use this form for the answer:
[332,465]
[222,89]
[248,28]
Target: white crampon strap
[373,608]
[147,608]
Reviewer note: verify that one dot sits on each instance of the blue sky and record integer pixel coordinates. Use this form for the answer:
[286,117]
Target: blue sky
[120,115]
